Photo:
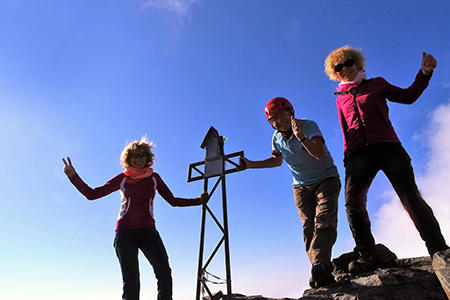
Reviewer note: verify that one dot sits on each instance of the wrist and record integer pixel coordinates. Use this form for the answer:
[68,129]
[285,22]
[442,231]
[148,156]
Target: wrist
[425,72]
[303,139]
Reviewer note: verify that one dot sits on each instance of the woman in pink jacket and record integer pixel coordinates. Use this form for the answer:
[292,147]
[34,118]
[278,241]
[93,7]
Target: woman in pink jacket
[135,229]
[371,145]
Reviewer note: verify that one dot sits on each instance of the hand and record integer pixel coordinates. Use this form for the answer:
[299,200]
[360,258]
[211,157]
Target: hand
[204,197]
[428,63]
[297,128]
[243,163]
[68,168]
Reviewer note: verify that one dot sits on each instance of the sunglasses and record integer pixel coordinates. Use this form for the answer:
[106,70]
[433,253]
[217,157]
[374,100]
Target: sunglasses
[136,155]
[281,115]
[348,63]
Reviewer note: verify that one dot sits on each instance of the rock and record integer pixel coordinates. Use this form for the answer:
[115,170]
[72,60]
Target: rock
[398,279]
[385,258]
[243,297]
[441,265]
[401,283]
[403,279]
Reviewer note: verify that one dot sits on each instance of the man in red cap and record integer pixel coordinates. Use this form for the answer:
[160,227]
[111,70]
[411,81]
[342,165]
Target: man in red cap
[316,182]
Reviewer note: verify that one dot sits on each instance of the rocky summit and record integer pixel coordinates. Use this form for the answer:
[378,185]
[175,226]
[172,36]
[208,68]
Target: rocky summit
[397,279]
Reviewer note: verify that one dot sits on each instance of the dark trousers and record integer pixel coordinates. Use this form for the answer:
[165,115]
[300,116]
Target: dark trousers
[127,244]
[360,170]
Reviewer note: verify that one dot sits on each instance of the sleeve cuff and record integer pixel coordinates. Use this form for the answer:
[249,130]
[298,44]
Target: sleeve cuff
[276,153]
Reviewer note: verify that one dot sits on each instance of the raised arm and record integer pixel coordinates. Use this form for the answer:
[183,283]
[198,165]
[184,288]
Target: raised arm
[414,91]
[90,193]
[314,146]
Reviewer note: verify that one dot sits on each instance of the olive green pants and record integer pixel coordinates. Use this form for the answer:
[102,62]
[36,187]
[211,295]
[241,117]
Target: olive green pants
[317,206]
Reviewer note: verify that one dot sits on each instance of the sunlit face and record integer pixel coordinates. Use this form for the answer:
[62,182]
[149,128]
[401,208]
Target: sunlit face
[137,158]
[282,121]
[348,70]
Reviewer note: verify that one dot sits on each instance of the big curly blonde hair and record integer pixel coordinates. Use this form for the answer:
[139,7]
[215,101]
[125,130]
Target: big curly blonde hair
[143,144]
[341,54]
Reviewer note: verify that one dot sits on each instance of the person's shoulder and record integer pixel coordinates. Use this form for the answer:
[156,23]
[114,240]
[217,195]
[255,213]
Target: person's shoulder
[306,120]
[117,179]
[378,80]
[309,122]
[156,175]
[373,83]
[119,176]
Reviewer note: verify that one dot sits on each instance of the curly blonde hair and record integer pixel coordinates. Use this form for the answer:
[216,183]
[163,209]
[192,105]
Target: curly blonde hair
[143,144]
[340,54]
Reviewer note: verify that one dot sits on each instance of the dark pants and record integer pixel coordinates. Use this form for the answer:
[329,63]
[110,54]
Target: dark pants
[360,170]
[127,244]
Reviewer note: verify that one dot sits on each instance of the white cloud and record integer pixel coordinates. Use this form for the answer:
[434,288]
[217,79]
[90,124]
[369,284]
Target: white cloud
[178,11]
[180,8]
[392,225]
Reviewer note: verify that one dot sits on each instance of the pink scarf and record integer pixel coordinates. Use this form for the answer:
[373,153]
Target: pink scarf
[136,175]
[345,86]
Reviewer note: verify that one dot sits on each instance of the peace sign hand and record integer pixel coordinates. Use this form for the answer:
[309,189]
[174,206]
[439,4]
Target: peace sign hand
[68,168]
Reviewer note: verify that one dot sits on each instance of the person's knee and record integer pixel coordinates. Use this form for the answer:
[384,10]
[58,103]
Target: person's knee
[163,271]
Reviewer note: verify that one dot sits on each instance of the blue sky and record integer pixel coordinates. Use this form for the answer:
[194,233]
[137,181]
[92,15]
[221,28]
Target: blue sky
[82,78]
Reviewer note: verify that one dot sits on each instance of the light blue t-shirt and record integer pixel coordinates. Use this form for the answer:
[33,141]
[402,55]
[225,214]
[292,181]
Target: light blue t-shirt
[305,168]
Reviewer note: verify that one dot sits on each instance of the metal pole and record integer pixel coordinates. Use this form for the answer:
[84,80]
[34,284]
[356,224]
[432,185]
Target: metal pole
[202,240]
[227,245]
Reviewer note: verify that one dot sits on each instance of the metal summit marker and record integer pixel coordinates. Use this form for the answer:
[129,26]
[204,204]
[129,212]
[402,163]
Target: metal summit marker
[216,164]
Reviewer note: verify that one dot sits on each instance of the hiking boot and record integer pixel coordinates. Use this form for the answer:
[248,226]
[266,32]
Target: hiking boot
[321,276]
[366,262]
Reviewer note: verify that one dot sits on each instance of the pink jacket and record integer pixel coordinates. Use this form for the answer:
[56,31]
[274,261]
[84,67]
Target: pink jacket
[136,209]
[364,117]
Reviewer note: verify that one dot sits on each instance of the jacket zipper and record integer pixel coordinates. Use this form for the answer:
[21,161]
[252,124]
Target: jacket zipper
[359,115]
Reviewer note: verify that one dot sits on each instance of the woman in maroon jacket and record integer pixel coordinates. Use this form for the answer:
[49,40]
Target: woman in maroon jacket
[371,145]
[135,227]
